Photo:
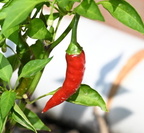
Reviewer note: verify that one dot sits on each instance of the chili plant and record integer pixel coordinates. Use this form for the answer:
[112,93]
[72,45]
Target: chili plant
[24,19]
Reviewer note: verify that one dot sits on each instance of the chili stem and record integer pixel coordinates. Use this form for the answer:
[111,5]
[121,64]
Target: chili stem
[74,29]
[74,47]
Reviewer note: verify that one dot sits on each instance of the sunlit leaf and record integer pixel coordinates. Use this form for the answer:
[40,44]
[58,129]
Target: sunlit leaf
[38,30]
[34,66]
[36,121]
[22,119]
[6,102]
[12,34]
[88,97]
[89,9]
[5,68]
[125,13]
[16,12]
[66,5]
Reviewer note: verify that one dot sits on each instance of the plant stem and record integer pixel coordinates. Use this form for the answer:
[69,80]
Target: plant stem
[74,29]
[63,35]
[50,18]
[74,47]
[50,93]
[58,23]
[34,83]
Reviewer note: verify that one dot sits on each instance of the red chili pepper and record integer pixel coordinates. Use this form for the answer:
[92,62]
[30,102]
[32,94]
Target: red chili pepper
[74,75]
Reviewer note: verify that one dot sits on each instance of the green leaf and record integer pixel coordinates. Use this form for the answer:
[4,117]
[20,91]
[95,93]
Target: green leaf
[12,34]
[16,12]
[5,68]
[2,13]
[14,61]
[4,1]
[2,124]
[89,9]
[35,121]
[45,17]
[125,13]
[66,5]
[38,30]
[38,49]
[88,97]
[21,118]
[7,102]
[34,66]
